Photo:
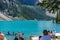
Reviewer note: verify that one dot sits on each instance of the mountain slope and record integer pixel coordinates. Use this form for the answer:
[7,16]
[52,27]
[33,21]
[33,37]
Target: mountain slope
[4,17]
[17,11]
[34,12]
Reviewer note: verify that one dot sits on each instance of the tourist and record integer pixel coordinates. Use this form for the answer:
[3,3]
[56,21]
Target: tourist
[1,36]
[50,33]
[13,33]
[53,34]
[20,36]
[40,37]
[45,36]
[16,37]
[8,33]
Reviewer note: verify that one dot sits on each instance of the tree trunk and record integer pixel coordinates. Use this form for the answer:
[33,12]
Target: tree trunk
[57,16]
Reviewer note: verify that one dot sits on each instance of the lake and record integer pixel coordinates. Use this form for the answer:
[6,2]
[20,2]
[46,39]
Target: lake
[28,27]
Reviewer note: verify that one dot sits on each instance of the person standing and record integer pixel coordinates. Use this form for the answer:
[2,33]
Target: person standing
[45,36]
[1,36]
[16,37]
[50,33]
[53,34]
[20,36]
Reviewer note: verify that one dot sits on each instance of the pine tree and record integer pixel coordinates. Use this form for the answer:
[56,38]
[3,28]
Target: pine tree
[51,5]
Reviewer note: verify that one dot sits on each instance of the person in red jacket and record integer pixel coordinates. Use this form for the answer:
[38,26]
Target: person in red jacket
[1,36]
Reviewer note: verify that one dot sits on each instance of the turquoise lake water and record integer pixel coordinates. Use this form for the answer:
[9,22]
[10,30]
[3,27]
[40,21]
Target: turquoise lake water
[29,28]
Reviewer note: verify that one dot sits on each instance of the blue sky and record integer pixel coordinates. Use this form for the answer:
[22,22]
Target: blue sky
[28,2]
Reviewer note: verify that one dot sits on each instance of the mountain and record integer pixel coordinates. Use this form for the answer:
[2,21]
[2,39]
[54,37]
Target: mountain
[34,12]
[16,11]
[28,2]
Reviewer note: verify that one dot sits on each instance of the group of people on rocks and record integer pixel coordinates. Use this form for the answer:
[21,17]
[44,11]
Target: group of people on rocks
[17,36]
[47,35]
